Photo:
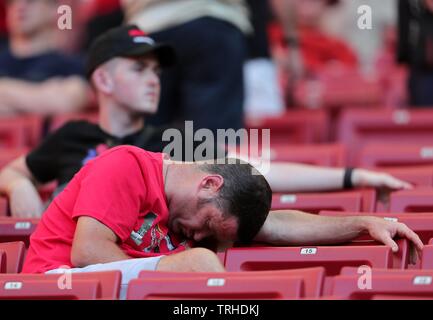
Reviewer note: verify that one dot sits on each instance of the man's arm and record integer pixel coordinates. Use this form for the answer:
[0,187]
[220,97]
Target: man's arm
[295,177]
[49,97]
[94,243]
[299,228]
[290,177]
[18,184]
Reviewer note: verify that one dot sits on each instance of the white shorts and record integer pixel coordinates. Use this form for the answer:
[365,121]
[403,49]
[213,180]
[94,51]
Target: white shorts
[130,269]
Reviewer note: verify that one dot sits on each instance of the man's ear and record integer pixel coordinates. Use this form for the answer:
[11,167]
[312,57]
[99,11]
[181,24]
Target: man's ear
[102,80]
[211,184]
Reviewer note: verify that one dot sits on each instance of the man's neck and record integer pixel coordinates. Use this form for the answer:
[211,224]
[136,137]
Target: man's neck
[118,122]
[26,46]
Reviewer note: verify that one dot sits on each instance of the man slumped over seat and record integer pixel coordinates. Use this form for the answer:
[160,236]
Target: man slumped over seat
[133,210]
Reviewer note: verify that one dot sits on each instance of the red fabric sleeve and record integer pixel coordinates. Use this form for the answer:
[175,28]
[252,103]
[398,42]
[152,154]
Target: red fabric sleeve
[112,192]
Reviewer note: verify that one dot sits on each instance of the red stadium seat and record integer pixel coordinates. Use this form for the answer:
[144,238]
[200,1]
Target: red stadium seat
[245,288]
[332,155]
[294,127]
[385,155]
[350,271]
[48,290]
[339,87]
[8,155]
[15,253]
[427,257]
[108,283]
[15,229]
[359,128]
[12,133]
[33,125]
[417,200]
[2,261]
[348,287]
[20,132]
[362,200]
[312,277]
[400,258]
[331,258]
[421,176]
[421,224]
[3,207]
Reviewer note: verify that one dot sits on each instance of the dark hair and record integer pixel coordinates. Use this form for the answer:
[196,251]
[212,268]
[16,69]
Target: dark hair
[245,194]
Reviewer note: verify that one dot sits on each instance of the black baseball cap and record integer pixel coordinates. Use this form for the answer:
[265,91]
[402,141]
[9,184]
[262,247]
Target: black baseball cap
[126,41]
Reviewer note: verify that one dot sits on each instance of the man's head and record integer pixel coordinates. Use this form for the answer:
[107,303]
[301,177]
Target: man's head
[26,18]
[226,202]
[123,65]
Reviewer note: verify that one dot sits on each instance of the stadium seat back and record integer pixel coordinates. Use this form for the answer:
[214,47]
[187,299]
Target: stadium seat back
[15,253]
[245,288]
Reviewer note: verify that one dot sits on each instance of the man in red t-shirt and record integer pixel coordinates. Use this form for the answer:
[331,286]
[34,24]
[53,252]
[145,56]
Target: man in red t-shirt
[132,210]
[130,203]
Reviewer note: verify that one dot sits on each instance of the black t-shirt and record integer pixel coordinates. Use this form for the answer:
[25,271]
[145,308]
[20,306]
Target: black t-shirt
[62,154]
[40,67]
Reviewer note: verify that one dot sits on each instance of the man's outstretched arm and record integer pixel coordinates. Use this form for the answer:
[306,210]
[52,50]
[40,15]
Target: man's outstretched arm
[296,177]
[291,177]
[299,228]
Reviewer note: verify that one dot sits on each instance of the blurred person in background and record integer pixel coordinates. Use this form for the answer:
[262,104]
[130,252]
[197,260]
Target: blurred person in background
[35,77]
[209,37]
[415,48]
[298,27]
[263,96]
[300,45]
[368,43]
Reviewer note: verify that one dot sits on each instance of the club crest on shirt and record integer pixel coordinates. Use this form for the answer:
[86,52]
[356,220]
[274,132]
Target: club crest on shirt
[156,235]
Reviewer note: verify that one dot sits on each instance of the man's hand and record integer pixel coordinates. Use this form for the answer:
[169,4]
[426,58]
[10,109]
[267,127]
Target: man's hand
[384,231]
[365,178]
[24,201]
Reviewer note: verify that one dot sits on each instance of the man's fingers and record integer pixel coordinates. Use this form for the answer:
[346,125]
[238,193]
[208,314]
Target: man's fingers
[404,231]
[386,239]
[394,183]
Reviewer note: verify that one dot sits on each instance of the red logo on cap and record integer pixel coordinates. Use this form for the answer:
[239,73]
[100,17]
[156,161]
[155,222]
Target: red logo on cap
[137,33]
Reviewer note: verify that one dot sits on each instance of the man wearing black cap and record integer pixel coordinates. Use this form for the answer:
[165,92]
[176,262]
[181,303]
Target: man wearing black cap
[123,67]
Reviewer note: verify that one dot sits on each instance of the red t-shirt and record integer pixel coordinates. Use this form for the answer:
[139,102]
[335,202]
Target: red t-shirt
[123,189]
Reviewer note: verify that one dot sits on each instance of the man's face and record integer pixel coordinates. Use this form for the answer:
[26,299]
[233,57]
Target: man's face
[28,17]
[204,221]
[136,84]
